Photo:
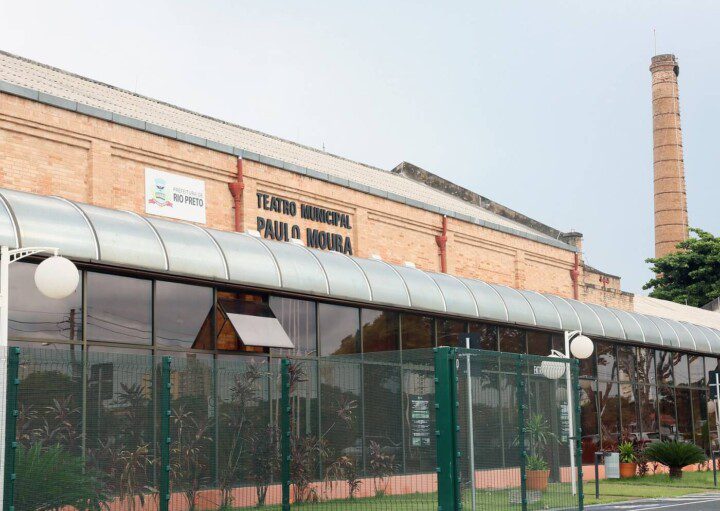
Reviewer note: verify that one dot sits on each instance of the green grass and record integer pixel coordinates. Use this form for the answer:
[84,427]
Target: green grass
[557,496]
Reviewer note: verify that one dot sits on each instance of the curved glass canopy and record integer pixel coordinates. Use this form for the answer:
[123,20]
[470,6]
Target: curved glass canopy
[120,238]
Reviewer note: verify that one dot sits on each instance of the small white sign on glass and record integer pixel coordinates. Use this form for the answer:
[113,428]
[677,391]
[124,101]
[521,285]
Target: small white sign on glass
[174,196]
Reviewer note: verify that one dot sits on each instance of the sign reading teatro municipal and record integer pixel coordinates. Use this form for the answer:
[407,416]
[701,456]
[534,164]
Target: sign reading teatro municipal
[174,196]
[314,237]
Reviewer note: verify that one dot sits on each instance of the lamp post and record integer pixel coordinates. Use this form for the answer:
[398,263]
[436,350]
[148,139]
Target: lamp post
[56,277]
[582,347]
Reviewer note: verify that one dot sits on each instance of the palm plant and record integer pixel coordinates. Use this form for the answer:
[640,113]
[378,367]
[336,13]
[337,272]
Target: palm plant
[675,455]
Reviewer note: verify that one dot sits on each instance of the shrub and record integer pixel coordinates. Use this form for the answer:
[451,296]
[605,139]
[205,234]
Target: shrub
[627,452]
[675,455]
[536,463]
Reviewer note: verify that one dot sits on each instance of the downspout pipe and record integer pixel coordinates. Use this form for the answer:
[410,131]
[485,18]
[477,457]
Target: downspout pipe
[575,276]
[441,241]
[236,190]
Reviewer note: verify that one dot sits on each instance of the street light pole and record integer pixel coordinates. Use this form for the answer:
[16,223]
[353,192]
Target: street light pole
[571,422]
[62,288]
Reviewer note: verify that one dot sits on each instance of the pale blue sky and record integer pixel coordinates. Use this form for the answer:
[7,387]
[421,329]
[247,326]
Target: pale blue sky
[541,106]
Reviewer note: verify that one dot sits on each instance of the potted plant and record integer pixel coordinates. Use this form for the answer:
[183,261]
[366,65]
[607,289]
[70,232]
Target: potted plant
[675,455]
[538,434]
[628,461]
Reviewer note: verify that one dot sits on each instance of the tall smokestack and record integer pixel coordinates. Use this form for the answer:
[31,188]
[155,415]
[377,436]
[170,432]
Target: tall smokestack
[671,219]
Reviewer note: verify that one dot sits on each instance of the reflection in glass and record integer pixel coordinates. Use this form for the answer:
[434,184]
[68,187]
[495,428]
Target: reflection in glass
[589,420]
[666,405]
[33,315]
[711,406]
[417,331]
[697,370]
[701,425]
[512,340]
[299,321]
[538,343]
[628,412]
[183,315]
[119,309]
[609,405]
[646,365]
[606,361]
[448,332]
[626,363]
[488,336]
[664,367]
[380,330]
[684,415]
[339,329]
[680,369]
[647,395]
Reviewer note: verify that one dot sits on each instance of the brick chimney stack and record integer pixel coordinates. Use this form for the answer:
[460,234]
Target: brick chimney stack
[671,218]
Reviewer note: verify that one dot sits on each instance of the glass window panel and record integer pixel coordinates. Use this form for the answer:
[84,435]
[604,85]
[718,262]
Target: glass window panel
[380,330]
[33,315]
[119,309]
[448,331]
[488,336]
[512,340]
[626,363]
[647,395]
[711,407]
[628,412]
[684,415]
[701,423]
[666,405]
[417,331]
[663,365]
[183,315]
[606,361]
[589,420]
[646,365]
[298,319]
[697,370]
[227,338]
[680,369]
[609,406]
[538,343]
[711,364]
[339,327]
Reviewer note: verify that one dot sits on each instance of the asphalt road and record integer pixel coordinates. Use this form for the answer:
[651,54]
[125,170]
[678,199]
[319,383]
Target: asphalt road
[703,502]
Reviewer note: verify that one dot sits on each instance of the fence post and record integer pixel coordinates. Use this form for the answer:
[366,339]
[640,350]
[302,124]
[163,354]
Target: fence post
[520,385]
[285,411]
[165,385]
[11,415]
[446,420]
[575,381]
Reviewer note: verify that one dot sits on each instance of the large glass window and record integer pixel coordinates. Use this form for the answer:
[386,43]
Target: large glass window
[664,367]
[647,395]
[666,405]
[701,424]
[380,330]
[417,331]
[232,302]
[684,415]
[697,370]
[299,321]
[680,369]
[119,309]
[646,365]
[538,343]
[487,336]
[449,331]
[626,363]
[512,340]
[606,361]
[609,406]
[628,412]
[183,315]
[589,420]
[339,329]
[33,315]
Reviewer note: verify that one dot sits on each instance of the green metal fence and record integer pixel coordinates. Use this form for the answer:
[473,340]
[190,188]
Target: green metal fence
[437,429]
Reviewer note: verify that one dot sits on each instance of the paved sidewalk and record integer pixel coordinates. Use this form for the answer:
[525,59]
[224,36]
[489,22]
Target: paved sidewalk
[699,502]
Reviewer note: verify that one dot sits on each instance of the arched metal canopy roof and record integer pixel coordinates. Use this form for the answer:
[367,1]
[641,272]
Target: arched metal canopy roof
[122,238]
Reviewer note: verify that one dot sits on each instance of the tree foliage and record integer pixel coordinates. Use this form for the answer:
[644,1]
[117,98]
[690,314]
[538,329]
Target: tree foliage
[692,274]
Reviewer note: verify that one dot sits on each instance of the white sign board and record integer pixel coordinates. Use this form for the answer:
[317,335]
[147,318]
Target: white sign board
[612,465]
[174,196]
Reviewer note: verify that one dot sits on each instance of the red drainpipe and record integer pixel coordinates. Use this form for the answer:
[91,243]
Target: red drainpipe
[442,243]
[575,276]
[236,190]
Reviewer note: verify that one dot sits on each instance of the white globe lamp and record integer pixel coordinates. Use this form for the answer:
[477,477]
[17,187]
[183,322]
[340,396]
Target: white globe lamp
[57,277]
[553,370]
[581,347]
